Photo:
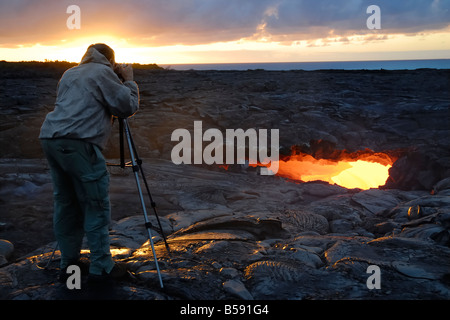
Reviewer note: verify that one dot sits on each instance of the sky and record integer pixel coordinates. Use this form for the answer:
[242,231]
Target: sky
[226,31]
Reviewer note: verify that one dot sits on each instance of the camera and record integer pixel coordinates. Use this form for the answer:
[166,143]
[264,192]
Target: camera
[118,70]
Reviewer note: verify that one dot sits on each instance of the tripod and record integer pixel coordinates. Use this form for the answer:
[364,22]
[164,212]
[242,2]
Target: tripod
[136,164]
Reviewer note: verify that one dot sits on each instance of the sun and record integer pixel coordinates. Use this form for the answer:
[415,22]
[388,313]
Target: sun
[75,50]
[72,50]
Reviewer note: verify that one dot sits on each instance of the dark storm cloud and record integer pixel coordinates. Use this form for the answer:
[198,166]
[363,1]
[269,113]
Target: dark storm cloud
[166,22]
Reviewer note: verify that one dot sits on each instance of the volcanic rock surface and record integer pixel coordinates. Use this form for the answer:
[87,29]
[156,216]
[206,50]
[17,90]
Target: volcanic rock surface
[234,234]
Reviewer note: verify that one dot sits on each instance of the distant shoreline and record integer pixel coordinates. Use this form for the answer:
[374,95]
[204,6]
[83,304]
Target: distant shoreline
[389,65]
[312,66]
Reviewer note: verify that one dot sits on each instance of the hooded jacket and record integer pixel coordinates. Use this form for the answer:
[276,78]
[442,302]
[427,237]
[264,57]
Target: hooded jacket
[88,95]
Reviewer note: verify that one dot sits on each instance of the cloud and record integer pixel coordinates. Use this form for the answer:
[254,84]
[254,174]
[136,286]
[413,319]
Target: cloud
[169,22]
[195,21]
[305,20]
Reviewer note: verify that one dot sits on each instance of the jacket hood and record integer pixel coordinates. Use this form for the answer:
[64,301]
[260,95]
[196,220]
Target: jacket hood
[93,55]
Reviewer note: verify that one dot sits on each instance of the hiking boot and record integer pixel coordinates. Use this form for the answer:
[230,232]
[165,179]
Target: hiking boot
[118,271]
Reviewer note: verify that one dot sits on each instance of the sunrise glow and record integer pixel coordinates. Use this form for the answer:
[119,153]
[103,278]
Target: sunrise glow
[222,32]
[241,51]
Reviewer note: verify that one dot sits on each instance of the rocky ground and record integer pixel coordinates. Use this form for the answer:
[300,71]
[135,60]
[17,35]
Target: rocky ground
[234,234]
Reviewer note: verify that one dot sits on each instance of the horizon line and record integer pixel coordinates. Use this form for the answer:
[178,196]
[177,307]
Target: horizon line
[230,63]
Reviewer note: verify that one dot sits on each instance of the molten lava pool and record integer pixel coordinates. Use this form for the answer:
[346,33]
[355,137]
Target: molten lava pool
[363,171]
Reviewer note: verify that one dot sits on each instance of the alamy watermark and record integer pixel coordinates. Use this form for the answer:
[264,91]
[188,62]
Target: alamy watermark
[374,280]
[74,280]
[228,149]
[74,20]
[374,21]
[213,153]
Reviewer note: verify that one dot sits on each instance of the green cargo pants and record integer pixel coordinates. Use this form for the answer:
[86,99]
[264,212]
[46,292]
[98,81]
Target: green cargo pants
[81,201]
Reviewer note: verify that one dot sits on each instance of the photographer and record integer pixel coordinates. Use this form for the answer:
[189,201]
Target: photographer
[72,137]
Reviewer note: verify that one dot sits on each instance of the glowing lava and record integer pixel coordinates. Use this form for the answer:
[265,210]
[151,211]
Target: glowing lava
[363,171]
[363,175]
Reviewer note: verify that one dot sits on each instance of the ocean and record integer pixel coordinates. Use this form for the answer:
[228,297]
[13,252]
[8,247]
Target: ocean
[310,66]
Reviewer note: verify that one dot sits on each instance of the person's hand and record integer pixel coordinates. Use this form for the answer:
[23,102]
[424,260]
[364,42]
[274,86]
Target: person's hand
[125,70]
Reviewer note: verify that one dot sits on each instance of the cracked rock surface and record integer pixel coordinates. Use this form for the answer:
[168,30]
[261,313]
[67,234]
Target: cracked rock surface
[234,234]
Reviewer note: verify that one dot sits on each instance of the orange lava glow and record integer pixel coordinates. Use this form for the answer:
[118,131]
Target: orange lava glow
[363,171]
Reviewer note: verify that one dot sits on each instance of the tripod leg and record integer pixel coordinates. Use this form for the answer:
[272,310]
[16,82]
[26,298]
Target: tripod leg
[147,222]
[51,257]
[122,154]
[153,204]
